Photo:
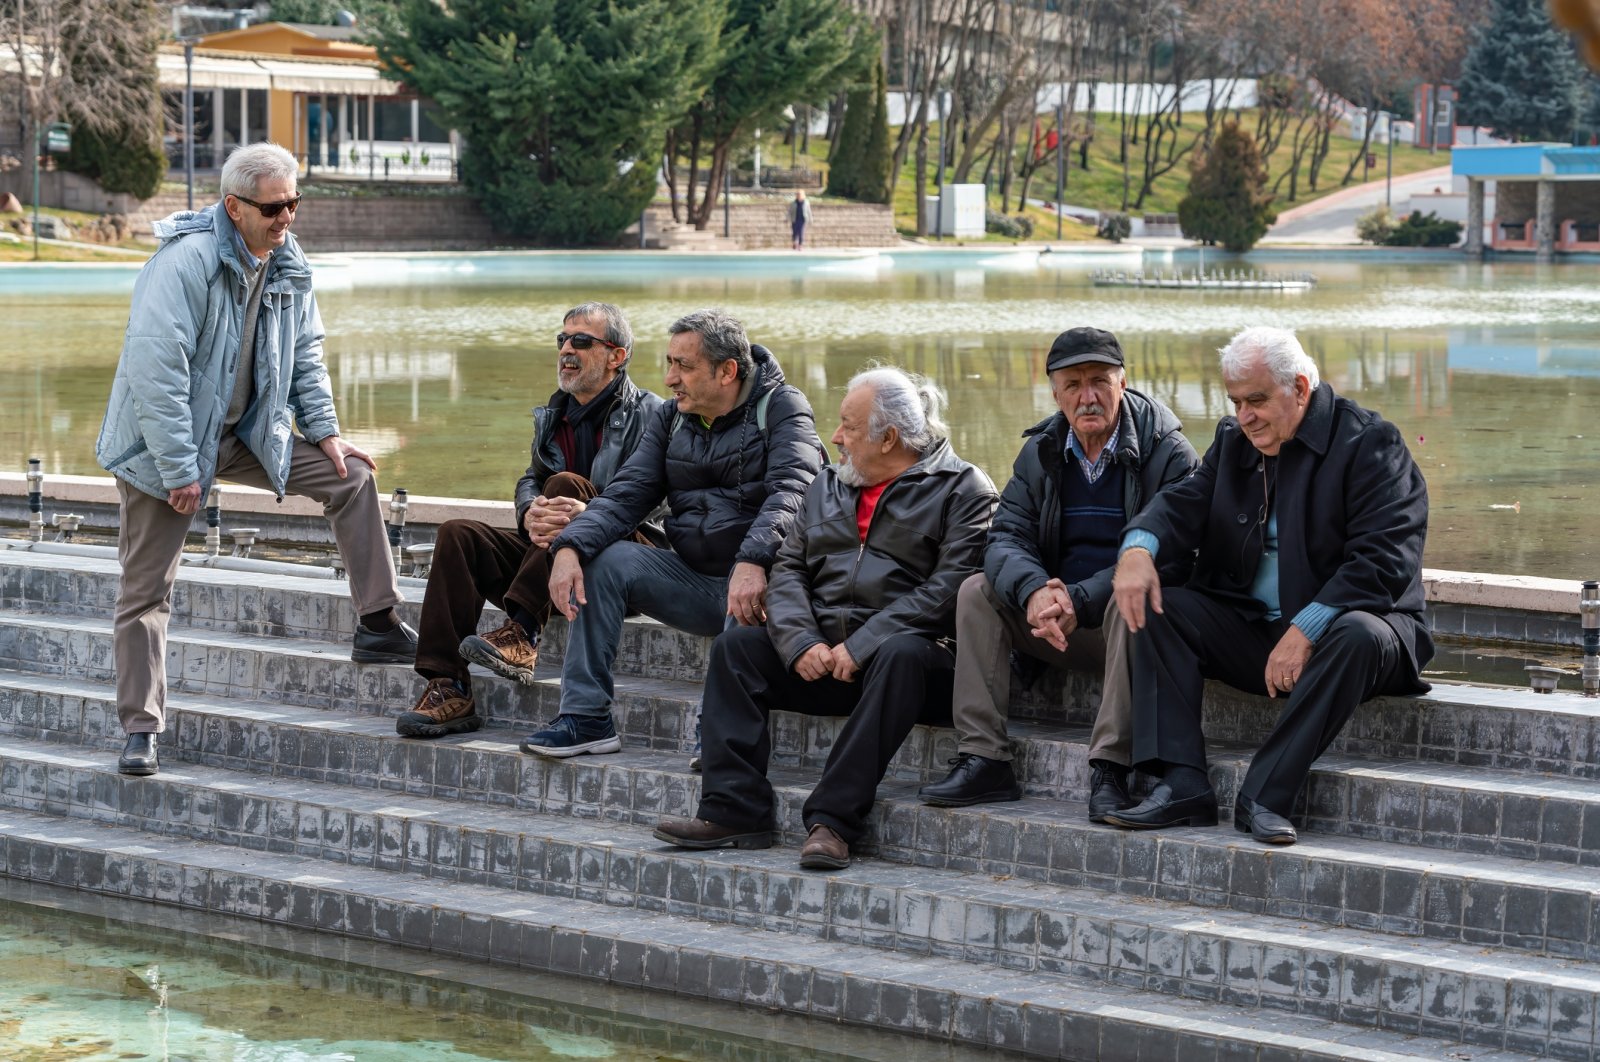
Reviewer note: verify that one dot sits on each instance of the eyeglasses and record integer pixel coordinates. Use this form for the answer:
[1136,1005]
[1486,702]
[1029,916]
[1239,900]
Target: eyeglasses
[583,341]
[272,210]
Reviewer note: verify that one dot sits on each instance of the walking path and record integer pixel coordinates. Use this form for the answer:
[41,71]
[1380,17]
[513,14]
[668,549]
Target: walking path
[1332,218]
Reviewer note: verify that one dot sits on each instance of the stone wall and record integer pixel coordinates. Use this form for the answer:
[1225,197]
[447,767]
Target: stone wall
[761,226]
[1575,200]
[61,190]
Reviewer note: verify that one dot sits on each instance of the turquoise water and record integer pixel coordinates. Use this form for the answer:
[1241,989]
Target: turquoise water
[1492,371]
[80,981]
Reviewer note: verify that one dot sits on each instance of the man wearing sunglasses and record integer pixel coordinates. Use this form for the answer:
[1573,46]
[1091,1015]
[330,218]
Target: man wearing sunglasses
[1308,515]
[221,364]
[580,439]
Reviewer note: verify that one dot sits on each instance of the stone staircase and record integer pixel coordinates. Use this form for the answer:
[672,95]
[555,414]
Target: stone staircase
[1443,903]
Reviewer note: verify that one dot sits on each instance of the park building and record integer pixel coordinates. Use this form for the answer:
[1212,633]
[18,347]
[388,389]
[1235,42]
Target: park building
[1547,198]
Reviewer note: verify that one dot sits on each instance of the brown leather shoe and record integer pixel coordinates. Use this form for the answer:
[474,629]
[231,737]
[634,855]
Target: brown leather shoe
[505,651]
[702,833]
[824,850]
[442,709]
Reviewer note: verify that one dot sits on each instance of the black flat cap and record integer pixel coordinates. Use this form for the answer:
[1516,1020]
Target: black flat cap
[1078,345]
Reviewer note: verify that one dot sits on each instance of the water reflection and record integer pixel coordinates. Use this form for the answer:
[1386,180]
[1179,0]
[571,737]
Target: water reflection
[1490,371]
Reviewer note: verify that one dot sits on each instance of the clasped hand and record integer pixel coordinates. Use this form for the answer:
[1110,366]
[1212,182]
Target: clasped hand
[545,518]
[822,660]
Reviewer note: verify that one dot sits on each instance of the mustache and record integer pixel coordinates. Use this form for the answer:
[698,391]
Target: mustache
[570,362]
[1093,409]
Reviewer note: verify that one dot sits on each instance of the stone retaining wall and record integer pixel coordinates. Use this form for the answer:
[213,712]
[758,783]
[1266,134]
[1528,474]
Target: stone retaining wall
[764,226]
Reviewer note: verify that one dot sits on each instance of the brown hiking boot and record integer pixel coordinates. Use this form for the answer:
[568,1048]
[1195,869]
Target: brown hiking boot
[442,709]
[506,651]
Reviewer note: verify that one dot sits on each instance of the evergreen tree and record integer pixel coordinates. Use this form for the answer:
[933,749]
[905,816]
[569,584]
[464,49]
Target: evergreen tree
[849,148]
[373,17]
[564,104]
[120,148]
[878,157]
[1228,202]
[1521,77]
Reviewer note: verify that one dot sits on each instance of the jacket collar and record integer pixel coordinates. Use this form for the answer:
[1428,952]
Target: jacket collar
[625,390]
[1054,429]
[287,268]
[1315,432]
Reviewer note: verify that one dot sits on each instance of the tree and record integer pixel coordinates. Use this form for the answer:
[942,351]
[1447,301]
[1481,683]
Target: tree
[1520,78]
[1228,202]
[858,163]
[565,104]
[374,18]
[775,53]
[124,154]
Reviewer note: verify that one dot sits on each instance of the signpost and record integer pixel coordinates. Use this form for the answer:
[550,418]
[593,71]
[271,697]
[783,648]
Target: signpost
[57,141]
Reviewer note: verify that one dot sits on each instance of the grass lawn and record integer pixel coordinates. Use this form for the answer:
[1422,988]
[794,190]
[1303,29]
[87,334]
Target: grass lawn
[1100,187]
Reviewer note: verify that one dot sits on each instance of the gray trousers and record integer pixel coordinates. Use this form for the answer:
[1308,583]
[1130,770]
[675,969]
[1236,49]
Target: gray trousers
[150,542]
[987,629]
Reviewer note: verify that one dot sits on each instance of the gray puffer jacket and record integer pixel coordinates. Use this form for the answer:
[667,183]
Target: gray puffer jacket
[625,422]
[1024,550]
[926,537]
[732,489]
[181,354]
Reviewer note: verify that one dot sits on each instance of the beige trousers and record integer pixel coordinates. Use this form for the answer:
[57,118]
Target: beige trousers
[987,630]
[150,542]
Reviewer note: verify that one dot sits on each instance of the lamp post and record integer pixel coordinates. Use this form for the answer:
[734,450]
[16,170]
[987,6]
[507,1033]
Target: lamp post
[1388,166]
[36,189]
[188,117]
[1061,164]
[938,219]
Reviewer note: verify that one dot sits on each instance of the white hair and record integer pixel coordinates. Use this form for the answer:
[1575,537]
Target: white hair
[1276,348]
[251,164]
[910,404]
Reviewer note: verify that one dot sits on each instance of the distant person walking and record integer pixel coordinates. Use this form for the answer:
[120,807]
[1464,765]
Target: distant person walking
[799,218]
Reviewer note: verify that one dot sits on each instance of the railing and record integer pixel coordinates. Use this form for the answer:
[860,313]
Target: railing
[385,161]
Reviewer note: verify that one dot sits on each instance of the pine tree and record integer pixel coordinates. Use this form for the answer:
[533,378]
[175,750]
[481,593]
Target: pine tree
[1521,77]
[1228,202]
[878,156]
[564,104]
[849,149]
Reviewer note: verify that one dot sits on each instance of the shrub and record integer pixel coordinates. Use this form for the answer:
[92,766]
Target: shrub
[1005,225]
[1114,227]
[1420,229]
[1375,226]
[1228,202]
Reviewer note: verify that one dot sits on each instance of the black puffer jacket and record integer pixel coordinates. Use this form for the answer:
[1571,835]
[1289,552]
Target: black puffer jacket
[732,490]
[925,538]
[624,426]
[1024,550]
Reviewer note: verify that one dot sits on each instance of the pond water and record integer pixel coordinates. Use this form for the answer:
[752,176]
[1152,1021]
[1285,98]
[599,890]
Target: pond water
[1492,371]
[92,979]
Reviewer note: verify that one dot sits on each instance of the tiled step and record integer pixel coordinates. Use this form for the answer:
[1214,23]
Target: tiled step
[1460,724]
[1436,805]
[1458,993]
[1340,881]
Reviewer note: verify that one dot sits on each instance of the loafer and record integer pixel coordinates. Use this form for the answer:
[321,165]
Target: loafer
[824,850]
[703,834]
[139,756]
[1262,823]
[1108,790]
[973,779]
[1160,810]
[397,646]
[574,735]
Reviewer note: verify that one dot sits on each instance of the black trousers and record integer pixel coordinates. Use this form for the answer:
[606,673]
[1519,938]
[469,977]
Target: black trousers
[908,680]
[1198,637]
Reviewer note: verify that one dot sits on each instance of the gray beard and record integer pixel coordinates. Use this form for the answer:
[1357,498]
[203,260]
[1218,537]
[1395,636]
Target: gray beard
[848,474]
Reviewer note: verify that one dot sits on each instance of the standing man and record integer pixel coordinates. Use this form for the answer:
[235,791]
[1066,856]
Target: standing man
[859,612]
[1045,590]
[799,217]
[222,362]
[1309,517]
[592,423]
[732,453]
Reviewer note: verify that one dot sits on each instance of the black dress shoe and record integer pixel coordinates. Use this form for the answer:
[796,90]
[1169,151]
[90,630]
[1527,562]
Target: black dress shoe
[138,755]
[1108,790]
[973,779]
[1160,810]
[1261,823]
[395,646]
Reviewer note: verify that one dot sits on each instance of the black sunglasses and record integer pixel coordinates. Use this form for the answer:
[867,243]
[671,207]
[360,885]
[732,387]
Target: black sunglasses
[272,210]
[583,341]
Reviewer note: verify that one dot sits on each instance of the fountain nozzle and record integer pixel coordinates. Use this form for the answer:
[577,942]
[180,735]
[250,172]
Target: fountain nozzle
[1589,610]
[35,501]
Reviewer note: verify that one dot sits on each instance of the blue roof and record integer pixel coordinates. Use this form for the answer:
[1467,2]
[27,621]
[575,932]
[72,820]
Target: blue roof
[1511,162]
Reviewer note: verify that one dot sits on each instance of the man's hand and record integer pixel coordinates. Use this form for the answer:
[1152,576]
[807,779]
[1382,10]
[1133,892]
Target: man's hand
[185,500]
[566,583]
[1051,616]
[747,594]
[337,450]
[546,518]
[815,662]
[844,665]
[1134,582]
[1288,659]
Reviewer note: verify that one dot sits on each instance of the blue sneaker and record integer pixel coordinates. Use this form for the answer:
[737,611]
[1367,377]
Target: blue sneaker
[694,757]
[574,735]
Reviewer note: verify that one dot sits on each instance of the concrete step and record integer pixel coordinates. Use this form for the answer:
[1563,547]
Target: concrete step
[1452,992]
[1436,805]
[1337,881]
[1046,1016]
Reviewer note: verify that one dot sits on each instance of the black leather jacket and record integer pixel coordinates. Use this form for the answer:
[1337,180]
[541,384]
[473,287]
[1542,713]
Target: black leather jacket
[1024,550]
[926,537]
[624,425]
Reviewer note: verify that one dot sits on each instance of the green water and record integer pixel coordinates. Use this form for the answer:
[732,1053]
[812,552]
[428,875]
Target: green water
[92,979]
[1491,371]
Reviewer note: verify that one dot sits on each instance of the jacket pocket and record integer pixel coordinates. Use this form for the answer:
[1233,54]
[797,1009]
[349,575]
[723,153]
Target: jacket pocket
[139,447]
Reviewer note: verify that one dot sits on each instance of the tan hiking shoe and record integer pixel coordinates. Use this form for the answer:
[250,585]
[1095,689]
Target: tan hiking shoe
[442,709]
[506,651]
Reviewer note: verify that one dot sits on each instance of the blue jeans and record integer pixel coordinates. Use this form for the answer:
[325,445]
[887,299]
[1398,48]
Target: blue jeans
[627,577]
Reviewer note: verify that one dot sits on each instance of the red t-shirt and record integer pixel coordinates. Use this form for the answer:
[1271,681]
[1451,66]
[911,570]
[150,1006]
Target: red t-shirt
[866,505]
